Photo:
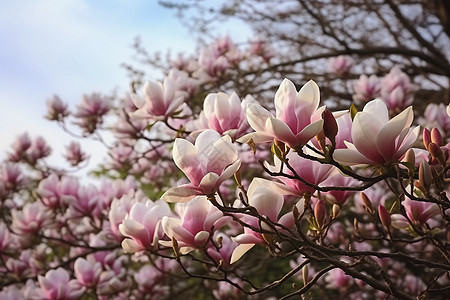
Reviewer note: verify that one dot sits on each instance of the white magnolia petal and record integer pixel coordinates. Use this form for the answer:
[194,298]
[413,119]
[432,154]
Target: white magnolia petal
[228,172]
[131,246]
[378,108]
[257,137]
[239,251]
[257,116]
[281,132]
[310,93]
[285,95]
[350,157]
[364,131]
[180,194]
[386,138]
[310,131]
[208,183]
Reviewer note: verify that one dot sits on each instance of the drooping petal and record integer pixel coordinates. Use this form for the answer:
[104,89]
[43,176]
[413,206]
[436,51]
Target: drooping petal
[281,132]
[239,251]
[257,116]
[180,194]
[350,157]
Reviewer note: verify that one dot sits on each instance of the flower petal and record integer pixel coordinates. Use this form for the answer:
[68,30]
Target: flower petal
[239,251]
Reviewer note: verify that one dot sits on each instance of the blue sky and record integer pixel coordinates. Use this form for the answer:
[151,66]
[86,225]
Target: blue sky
[72,47]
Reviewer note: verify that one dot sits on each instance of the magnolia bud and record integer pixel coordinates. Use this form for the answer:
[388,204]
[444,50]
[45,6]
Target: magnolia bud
[319,213]
[425,177]
[410,157]
[336,211]
[280,146]
[436,152]
[436,137]
[320,138]
[305,273]
[330,128]
[426,137]
[385,218]
[366,203]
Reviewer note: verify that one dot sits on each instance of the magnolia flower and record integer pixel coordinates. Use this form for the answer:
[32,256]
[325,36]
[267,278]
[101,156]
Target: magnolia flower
[397,90]
[160,100]
[418,212]
[297,118]
[340,64]
[56,285]
[87,272]
[376,139]
[194,225]
[267,197]
[366,88]
[141,226]
[208,163]
[311,171]
[56,109]
[226,113]
[30,219]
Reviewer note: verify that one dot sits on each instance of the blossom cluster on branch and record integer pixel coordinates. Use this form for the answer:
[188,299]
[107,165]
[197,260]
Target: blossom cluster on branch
[207,194]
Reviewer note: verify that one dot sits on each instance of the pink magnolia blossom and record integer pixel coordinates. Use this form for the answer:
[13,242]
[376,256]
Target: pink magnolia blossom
[160,100]
[418,212]
[297,117]
[267,197]
[340,64]
[57,193]
[311,171]
[376,139]
[120,207]
[87,272]
[208,163]
[56,109]
[366,88]
[30,219]
[397,90]
[225,251]
[141,227]
[56,285]
[194,224]
[74,154]
[226,113]
[90,112]
[39,149]
[335,196]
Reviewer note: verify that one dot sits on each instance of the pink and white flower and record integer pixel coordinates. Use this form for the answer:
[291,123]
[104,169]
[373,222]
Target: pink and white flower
[376,139]
[195,224]
[208,163]
[366,88]
[267,197]
[141,226]
[160,100]
[56,285]
[297,118]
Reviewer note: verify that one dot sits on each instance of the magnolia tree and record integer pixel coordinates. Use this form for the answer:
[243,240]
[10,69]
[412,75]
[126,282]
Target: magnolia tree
[208,193]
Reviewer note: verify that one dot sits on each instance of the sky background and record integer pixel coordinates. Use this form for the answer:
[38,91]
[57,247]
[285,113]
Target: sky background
[73,47]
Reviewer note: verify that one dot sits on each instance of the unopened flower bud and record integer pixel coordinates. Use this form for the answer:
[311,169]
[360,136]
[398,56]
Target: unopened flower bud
[384,215]
[319,213]
[281,146]
[305,274]
[410,157]
[320,138]
[425,177]
[336,211]
[436,137]
[367,203]
[436,152]
[330,128]
[426,137]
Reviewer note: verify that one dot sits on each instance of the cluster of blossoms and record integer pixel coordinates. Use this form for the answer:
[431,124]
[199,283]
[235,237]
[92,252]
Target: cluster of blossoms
[346,204]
